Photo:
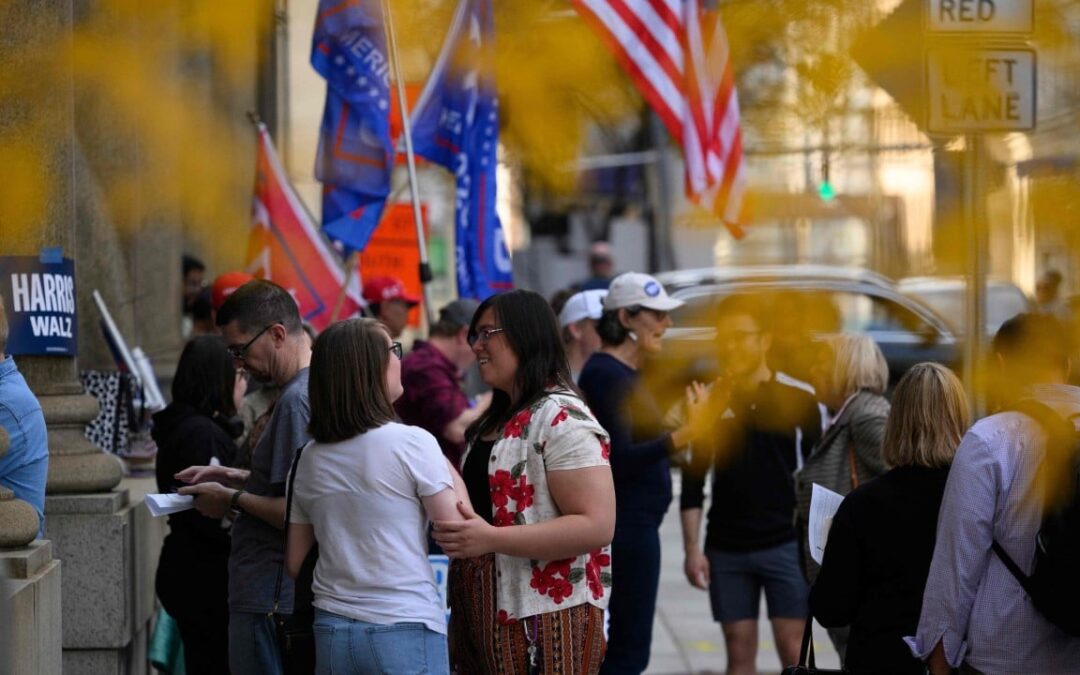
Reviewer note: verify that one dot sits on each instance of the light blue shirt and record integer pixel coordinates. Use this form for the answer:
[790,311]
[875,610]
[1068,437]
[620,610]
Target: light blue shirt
[24,467]
[972,603]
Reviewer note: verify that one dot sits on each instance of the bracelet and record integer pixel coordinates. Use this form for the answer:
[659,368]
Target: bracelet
[234,501]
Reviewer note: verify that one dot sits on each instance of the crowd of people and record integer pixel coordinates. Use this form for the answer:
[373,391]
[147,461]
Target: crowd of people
[355,461]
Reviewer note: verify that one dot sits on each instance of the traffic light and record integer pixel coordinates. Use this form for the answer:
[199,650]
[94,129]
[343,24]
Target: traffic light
[825,190]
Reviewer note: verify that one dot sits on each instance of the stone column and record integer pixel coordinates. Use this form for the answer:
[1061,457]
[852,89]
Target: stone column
[99,532]
[18,520]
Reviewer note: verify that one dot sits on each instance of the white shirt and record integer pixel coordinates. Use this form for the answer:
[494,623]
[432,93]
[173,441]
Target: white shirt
[362,496]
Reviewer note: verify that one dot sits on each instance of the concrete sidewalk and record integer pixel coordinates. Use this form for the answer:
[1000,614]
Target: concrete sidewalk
[686,640]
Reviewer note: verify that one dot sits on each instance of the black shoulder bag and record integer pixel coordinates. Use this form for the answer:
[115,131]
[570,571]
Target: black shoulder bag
[295,636]
[806,665]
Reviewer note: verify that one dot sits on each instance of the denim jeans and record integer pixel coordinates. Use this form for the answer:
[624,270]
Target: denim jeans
[253,648]
[344,646]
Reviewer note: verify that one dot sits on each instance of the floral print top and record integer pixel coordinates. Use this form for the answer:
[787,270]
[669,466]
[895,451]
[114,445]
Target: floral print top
[556,432]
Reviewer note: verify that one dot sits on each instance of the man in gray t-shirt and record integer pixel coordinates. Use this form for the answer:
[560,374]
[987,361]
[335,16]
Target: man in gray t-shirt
[257,546]
[261,326]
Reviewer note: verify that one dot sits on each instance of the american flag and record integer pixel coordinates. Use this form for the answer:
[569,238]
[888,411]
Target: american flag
[676,53]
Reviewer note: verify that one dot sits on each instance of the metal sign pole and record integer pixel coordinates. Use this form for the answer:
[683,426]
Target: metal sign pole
[976,226]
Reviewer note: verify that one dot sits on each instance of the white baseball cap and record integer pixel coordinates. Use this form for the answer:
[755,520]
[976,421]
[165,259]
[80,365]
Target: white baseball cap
[633,288]
[583,305]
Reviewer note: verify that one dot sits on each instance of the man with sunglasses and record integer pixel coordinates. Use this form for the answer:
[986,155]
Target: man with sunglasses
[262,328]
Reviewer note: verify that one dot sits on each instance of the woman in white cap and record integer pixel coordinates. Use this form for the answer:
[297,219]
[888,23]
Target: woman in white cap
[634,321]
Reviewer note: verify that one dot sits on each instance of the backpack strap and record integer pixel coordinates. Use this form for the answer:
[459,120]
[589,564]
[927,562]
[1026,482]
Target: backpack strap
[1006,559]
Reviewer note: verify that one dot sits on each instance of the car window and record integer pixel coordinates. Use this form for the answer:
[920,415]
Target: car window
[813,311]
[1002,303]
[867,313]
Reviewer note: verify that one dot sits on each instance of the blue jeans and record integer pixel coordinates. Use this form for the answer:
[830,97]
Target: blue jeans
[253,648]
[345,646]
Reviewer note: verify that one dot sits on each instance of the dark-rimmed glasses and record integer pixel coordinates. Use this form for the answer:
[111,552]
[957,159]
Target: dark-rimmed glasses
[483,336]
[238,352]
[397,350]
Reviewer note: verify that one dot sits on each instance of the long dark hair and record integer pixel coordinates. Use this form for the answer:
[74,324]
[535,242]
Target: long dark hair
[532,332]
[347,385]
[205,377]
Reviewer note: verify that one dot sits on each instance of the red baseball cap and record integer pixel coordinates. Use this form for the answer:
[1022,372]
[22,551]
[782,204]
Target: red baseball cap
[381,289]
[224,286]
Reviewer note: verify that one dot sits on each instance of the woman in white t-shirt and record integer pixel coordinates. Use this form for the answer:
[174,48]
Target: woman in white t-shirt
[365,489]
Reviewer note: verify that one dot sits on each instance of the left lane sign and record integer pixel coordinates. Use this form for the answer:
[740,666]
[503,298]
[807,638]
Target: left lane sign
[979,90]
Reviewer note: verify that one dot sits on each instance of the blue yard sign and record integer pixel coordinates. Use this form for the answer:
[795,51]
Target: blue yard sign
[39,300]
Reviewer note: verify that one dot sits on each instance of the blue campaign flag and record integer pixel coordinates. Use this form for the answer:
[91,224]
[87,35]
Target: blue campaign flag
[456,124]
[356,154]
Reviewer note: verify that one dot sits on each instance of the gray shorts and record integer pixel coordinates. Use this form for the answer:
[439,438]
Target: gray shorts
[736,581]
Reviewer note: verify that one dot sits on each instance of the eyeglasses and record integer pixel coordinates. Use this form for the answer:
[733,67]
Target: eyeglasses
[238,352]
[397,350]
[736,336]
[483,336]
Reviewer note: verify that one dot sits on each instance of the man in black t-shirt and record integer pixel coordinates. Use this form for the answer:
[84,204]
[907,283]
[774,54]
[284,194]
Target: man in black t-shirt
[769,421]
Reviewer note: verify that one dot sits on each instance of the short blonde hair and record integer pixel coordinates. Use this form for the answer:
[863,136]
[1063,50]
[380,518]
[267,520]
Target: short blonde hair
[857,364]
[928,418]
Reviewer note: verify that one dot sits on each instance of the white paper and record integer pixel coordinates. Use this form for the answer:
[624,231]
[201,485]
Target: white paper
[823,505]
[164,504]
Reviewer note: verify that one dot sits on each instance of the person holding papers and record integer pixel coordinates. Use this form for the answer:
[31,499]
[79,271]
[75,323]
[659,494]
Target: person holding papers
[882,538]
[198,428]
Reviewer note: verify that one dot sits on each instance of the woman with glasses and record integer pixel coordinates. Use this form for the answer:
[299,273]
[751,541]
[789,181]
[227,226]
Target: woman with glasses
[198,429]
[531,572]
[634,321]
[364,489]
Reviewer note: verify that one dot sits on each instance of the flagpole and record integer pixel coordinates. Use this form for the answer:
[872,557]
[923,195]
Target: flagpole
[410,158]
[350,267]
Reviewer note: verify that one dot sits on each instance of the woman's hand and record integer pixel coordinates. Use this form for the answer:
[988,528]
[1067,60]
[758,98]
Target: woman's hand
[697,403]
[698,400]
[467,538]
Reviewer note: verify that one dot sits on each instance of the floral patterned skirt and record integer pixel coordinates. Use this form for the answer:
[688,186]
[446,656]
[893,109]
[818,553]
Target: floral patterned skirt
[568,642]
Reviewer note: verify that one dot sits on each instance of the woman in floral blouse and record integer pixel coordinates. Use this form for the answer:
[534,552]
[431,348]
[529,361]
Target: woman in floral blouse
[531,575]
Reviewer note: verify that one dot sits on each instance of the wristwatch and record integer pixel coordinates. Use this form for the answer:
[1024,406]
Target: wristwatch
[234,501]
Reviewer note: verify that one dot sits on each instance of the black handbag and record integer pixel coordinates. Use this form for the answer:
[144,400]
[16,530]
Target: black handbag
[806,665]
[295,635]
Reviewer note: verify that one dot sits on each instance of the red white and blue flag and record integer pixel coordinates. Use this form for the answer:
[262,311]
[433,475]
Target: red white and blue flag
[456,124]
[677,54]
[356,153]
[287,248]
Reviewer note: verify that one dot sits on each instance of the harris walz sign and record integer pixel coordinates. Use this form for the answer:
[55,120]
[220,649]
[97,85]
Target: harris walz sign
[39,300]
